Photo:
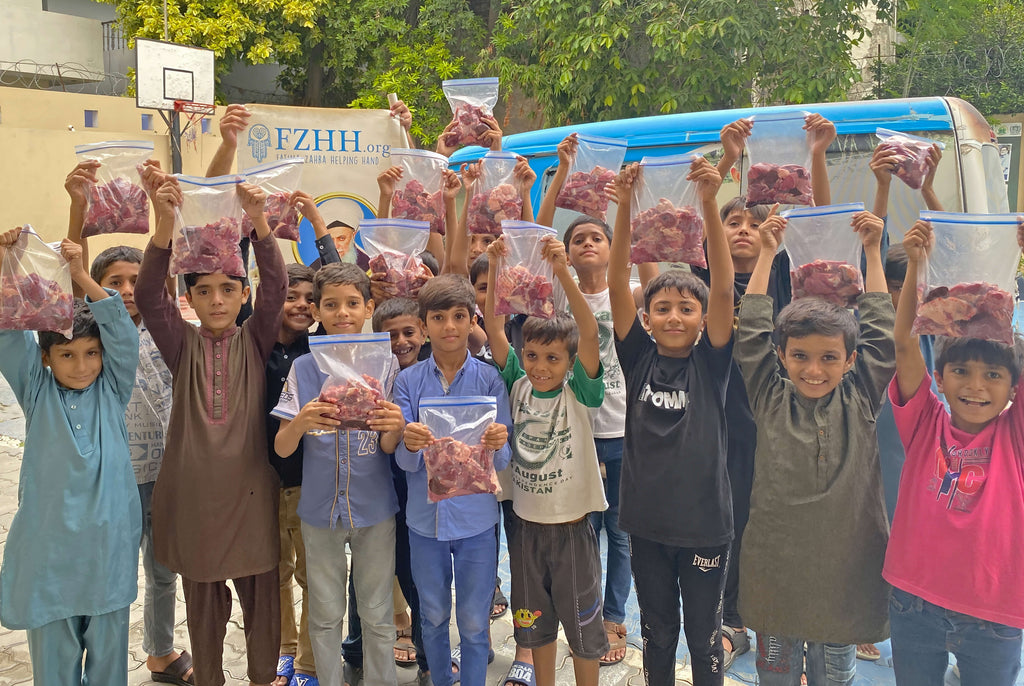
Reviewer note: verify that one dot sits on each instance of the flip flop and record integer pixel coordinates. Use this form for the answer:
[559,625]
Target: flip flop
[521,673]
[457,661]
[174,673]
[403,641]
[616,641]
[740,644]
[499,599]
[865,655]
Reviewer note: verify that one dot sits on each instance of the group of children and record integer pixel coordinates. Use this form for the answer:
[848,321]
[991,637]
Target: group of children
[720,412]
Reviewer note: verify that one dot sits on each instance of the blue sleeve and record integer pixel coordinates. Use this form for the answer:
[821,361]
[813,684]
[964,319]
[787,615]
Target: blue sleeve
[403,397]
[497,389]
[21,364]
[120,340]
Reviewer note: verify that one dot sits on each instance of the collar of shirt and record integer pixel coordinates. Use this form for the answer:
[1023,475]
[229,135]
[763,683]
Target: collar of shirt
[436,371]
[205,333]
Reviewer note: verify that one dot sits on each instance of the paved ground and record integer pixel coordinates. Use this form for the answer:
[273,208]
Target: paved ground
[14,659]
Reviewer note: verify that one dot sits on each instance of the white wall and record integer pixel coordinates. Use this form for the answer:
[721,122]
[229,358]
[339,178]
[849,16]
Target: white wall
[29,33]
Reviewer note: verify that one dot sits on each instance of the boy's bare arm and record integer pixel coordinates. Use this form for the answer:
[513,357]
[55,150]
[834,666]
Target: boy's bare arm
[449,193]
[883,161]
[734,139]
[870,228]
[234,121]
[910,365]
[566,154]
[387,180]
[771,231]
[78,184]
[494,325]
[314,416]
[720,295]
[459,238]
[931,200]
[623,308]
[589,348]
[821,133]
[524,177]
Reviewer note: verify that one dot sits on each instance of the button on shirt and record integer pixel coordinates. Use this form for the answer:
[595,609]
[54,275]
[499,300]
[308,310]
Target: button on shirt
[464,515]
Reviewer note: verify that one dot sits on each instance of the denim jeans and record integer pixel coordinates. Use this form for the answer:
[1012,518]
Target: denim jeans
[617,574]
[161,583]
[923,635]
[470,562]
[780,661]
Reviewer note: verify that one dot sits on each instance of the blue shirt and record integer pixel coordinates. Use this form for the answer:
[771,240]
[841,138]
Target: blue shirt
[346,477]
[464,515]
[73,546]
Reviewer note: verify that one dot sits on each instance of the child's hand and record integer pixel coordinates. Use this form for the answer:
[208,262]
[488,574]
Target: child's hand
[620,190]
[491,139]
[168,196]
[869,227]
[918,241]
[387,417]
[253,199]
[707,178]
[495,436]
[820,131]
[523,176]
[152,176]
[235,119]
[497,249]
[9,238]
[72,254]
[553,250]
[317,416]
[400,111]
[883,161]
[80,181]
[443,149]
[471,173]
[417,437]
[772,230]
[934,157]
[567,150]
[452,184]
[307,206]
[388,179]
[734,137]
[381,290]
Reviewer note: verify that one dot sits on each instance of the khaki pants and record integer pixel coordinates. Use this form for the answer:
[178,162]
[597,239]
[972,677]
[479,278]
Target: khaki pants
[294,640]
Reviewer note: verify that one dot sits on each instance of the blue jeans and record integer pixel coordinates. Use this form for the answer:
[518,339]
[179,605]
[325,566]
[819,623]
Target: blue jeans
[924,634]
[780,661]
[617,574]
[161,583]
[471,562]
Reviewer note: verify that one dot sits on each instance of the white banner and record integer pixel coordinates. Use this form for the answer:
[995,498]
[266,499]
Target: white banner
[344,151]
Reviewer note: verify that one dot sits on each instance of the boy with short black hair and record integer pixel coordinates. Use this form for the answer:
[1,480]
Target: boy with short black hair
[457,533]
[816,471]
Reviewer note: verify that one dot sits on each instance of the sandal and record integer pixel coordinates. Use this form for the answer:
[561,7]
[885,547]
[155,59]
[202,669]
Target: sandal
[499,599]
[521,673]
[304,680]
[740,641]
[616,641]
[863,652]
[175,672]
[403,643]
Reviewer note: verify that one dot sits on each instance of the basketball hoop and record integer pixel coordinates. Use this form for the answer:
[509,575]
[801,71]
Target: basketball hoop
[194,108]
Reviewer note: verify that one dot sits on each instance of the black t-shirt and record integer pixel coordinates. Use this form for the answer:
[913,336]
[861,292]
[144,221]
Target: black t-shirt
[675,486]
[280,363]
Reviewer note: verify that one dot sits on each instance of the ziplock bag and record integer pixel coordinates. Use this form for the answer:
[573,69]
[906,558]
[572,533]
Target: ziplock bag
[456,462]
[207,226]
[596,164]
[525,281]
[394,247]
[780,160]
[471,99]
[420,194]
[495,196]
[357,366]
[914,150]
[35,287]
[278,179]
[117,201]
[824,253]
[966,286]
[666,220]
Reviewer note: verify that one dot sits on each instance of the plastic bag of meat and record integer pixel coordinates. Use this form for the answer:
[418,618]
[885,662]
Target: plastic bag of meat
[597,162]
[208,227]
[666,223]
[117,201]
[780,160]
[278,179]
[394,247]
[914,151]
[35,287]
[966,286]
[359,374]
[525,283]
[471,99]
[456,462]
[495,197]
[824,253]
[420,195]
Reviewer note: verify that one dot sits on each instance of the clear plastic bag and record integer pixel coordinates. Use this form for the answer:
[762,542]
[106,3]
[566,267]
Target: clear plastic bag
[357,367]
[471,99]
[525,283]
[825,253]
[596,164]
[966,286]
[495,197]
[666,221]
[35,287]
[420,195]
[914,150]
[394,247]
[208,227]
[278,179]
[117,201]
[780,160]
[457,463]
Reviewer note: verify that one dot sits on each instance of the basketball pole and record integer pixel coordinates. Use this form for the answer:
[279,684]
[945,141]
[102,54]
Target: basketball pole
[175,121]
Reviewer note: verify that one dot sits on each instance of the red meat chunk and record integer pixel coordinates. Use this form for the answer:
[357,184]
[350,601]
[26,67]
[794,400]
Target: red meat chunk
[413,202]
[208,249]
[455,468]
[32,303]
[787,184]
[282,216]
[117,206]
[967,310]
[471,127]
[354,399]
[913,165]
[583,192]
[517,291]
[406,272]
[666,233]
[837,282]
[488,210]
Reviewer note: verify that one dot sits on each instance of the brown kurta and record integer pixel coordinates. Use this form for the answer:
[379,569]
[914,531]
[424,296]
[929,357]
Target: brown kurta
[215,501]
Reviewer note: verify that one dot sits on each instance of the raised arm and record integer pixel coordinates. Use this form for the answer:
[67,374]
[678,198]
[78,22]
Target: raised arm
[493,324]
[155,303]
[589,350]
[931,200]
[524,178]
[459,238]
[387,180]
[910,365]
[449,195]
[78,184]
[623,308]
[734,139]
[720,296]
[821,133]
[883,161]
[270,296]
[566,154]
[871,229]
[771,231]
[234,121]
[401,112]
[73,253]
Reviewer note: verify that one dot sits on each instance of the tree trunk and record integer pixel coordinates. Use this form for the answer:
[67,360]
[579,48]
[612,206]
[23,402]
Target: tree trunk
[314,95]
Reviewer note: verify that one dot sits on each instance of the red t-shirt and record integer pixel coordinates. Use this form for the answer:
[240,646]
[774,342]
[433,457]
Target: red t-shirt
[958,534]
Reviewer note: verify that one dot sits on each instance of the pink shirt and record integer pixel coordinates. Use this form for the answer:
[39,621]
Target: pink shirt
[958,535]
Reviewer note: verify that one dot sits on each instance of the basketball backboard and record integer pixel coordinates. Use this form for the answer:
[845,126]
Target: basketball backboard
[167,72]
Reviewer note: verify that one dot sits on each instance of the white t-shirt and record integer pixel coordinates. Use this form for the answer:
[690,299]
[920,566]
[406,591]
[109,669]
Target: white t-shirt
[610,417]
